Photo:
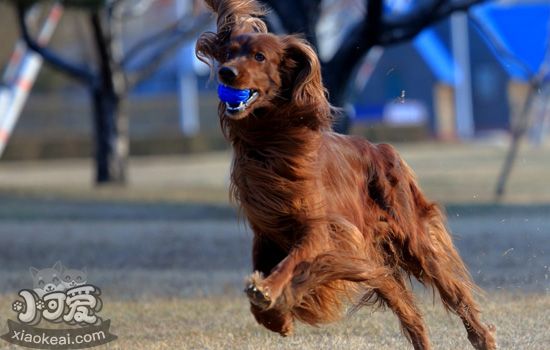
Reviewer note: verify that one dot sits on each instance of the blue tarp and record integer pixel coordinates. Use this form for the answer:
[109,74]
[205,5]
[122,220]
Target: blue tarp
[436,55]
[522,30]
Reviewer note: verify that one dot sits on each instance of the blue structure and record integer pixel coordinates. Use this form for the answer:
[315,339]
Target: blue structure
[523,30]
[436,55]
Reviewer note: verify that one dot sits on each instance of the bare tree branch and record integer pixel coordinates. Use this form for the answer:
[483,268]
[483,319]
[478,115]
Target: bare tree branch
[146,43]
[174,38]
[358,41]
[79,72]
[298,16]
[374,23]
[407,27]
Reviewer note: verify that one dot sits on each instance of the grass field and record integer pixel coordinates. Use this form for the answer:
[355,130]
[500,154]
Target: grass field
[225,323]
[171,257]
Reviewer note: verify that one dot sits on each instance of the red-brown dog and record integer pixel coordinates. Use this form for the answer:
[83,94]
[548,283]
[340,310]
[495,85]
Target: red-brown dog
[336,219]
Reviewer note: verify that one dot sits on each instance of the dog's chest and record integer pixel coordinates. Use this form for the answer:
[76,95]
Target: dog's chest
[275,205]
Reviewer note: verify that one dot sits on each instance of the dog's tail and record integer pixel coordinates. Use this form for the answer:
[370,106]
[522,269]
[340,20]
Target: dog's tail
[233,16]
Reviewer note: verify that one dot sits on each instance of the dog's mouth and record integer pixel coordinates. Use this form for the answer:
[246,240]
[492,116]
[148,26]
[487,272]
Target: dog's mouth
[234,108]
[237,100]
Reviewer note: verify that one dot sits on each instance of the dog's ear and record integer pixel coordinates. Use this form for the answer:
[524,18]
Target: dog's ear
[301,73]
[208,49]
[234,17]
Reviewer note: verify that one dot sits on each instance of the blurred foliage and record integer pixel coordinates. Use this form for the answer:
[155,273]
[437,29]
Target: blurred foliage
[85,4]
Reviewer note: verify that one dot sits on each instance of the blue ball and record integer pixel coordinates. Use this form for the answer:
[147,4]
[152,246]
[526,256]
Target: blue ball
[231,95]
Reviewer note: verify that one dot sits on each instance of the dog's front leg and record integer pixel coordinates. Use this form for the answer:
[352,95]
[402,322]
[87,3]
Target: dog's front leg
[264,292]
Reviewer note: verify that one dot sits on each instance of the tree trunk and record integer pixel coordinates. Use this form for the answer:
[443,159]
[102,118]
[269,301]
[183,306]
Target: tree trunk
[109,104]
[111,138]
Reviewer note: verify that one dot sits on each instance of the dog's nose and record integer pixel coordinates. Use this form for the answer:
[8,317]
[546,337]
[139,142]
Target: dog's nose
[227,74]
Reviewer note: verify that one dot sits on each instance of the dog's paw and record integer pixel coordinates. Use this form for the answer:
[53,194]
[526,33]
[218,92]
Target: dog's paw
[484,340]
[490,338]
[257,294]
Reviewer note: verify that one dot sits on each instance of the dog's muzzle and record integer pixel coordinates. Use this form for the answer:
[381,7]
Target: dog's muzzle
[236,100]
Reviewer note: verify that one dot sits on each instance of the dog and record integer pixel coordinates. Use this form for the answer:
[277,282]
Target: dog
[337,220]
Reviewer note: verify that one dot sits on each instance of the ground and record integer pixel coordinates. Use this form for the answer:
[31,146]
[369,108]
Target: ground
[171,257]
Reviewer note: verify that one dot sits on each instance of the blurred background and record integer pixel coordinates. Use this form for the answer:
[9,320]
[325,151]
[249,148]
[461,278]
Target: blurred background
[111,155]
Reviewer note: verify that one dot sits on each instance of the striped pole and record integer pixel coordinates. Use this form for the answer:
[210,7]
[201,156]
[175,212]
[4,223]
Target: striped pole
[15,61]
[14,95]
[19,52]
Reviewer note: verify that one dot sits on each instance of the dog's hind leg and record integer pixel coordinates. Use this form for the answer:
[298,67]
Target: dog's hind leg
[392,290]
[460,301]
[456,295]
[442,267]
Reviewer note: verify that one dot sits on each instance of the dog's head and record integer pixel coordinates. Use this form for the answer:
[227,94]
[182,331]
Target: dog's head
[272,69]
[260,70]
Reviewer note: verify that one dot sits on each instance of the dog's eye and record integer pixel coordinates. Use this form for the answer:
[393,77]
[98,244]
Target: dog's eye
[259,57]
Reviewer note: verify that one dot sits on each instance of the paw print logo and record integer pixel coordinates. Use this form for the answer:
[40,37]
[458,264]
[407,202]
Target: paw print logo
[17,306]
[40,305]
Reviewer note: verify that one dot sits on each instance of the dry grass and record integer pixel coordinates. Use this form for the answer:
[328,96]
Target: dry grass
[224,323]
[468,172]
[450,173]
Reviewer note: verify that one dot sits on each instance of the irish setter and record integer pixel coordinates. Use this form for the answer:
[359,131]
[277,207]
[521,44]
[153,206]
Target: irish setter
[337,221]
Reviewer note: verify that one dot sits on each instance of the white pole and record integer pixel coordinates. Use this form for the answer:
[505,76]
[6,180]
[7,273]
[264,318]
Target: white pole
[5,97]
[19,52]
[463,86]
[23,82]
[15,61]
[23,85]
[187,80]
